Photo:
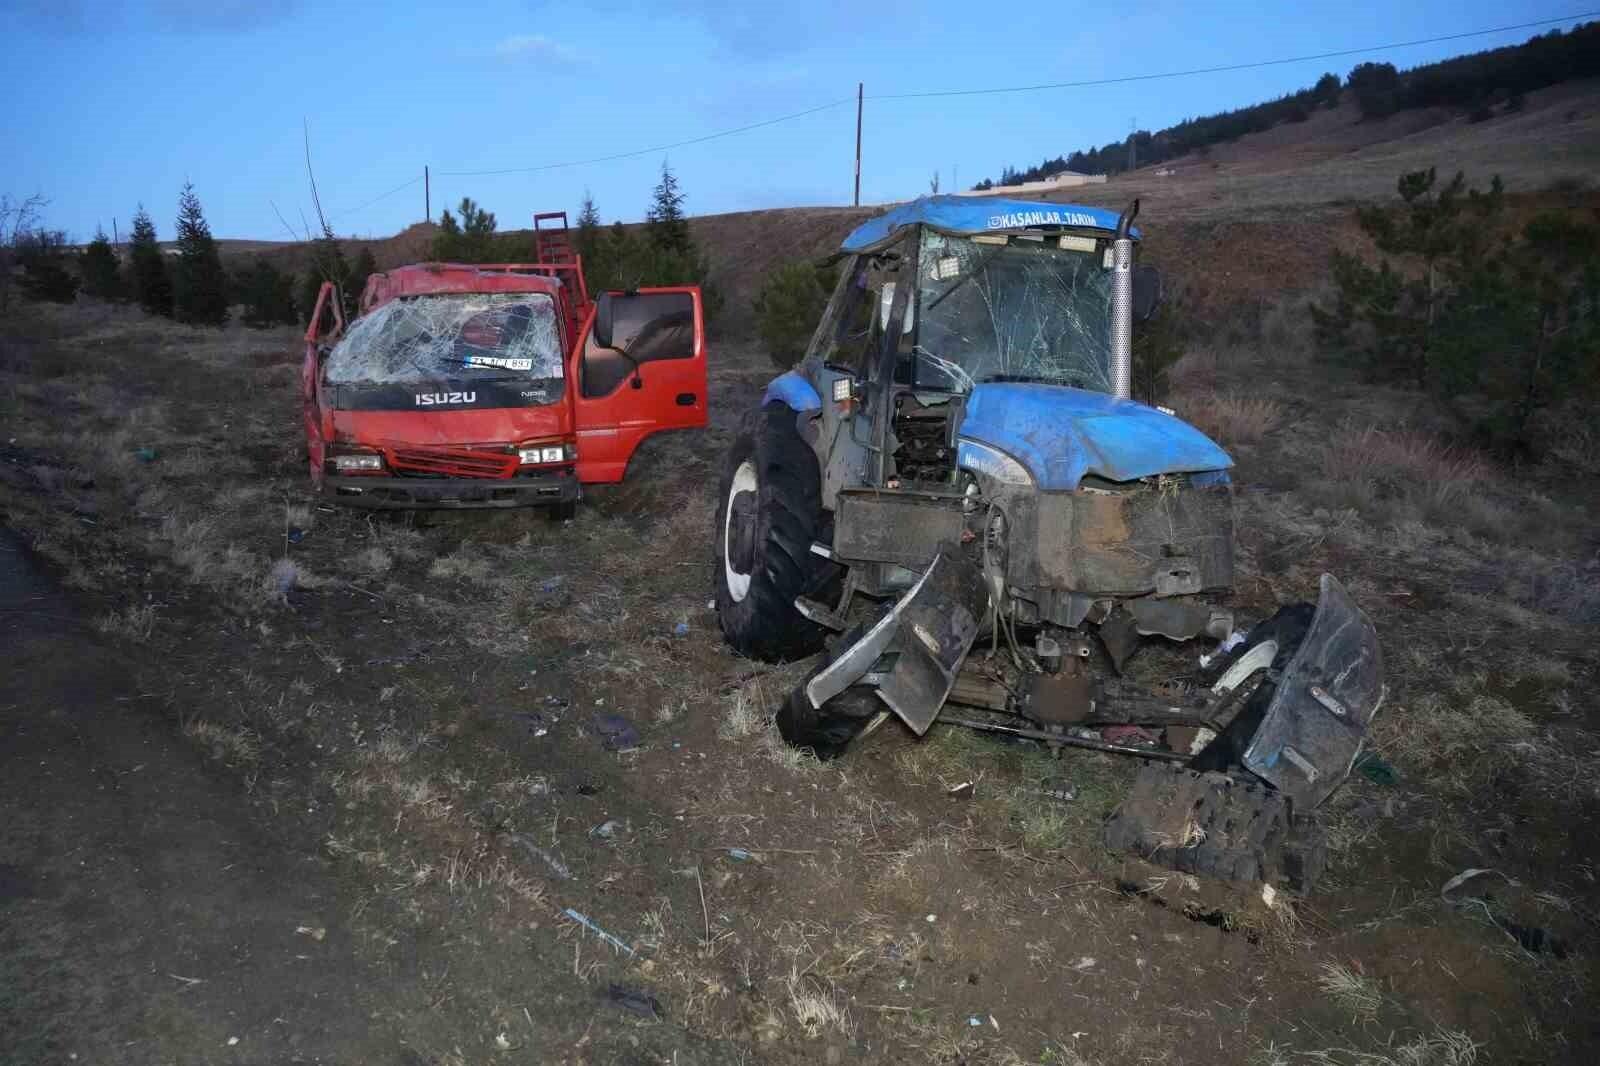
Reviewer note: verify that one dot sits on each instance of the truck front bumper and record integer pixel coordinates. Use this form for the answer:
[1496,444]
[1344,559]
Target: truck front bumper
[454,493]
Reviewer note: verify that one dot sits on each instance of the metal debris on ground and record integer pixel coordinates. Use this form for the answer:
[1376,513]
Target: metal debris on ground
[961,791]
[584,920]
[740,855]
[606,830]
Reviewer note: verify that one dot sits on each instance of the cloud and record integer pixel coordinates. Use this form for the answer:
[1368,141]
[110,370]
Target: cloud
[534,47]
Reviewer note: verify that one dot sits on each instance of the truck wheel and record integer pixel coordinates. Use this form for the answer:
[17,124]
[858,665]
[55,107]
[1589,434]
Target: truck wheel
[769,512]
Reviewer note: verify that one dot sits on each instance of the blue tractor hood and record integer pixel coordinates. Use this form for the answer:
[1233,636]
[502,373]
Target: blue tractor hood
[1061,434]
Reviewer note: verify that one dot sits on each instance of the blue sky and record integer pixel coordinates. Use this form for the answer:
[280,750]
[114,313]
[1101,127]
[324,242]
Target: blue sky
[118,102]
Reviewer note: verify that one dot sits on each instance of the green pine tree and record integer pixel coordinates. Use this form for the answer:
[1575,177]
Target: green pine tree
[149,280]
[98,266]
[268,296]
[665,224]
[472,240]
[365,266]
[589,240]
[200,286]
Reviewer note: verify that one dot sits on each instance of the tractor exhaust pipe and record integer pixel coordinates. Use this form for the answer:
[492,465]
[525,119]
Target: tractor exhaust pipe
[1122,305]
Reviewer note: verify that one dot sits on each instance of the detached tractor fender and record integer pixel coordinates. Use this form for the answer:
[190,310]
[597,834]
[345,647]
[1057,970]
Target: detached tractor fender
[795,391]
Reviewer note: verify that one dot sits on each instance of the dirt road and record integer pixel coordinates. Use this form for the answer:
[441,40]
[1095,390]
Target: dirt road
[145,916]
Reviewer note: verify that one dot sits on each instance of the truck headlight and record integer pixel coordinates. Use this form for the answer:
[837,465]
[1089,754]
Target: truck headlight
[350,464]
[546,453]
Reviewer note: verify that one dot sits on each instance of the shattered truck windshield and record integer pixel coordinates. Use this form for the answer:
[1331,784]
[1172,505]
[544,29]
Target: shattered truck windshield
[469,337]
[1029,307]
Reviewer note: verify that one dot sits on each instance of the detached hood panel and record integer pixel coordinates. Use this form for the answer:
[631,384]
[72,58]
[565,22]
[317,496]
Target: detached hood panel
[1060,434]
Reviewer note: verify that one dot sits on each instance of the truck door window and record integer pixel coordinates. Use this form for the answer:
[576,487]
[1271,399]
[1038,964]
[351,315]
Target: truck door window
[647,327]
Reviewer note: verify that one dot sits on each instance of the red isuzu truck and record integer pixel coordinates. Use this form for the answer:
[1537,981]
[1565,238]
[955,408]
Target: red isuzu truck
[495,385]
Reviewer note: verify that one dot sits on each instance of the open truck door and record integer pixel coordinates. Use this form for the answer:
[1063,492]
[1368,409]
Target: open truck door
[640,368]
[327,323]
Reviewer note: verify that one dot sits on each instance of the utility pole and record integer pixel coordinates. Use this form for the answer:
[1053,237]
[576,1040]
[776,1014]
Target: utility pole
[860,90]
[115,238]
[427,195]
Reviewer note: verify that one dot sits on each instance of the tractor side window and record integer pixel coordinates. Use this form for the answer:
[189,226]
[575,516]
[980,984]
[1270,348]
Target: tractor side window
[854,324]
[646,327]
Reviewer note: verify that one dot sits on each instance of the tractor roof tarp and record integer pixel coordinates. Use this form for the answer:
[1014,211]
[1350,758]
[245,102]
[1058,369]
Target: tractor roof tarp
[976,214]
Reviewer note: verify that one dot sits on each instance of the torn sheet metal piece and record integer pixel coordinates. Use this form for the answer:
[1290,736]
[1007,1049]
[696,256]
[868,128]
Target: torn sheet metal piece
[1305,747]
[930,630]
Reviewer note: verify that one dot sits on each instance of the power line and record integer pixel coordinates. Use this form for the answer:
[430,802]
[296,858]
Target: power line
[1088,83]
[375,199]
[658,148]
[1227,67]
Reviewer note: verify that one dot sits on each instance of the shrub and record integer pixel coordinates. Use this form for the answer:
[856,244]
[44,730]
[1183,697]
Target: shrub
[42,255]
[791,300]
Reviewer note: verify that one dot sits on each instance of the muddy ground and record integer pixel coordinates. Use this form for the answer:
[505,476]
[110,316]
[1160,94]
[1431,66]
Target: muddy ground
[292,783]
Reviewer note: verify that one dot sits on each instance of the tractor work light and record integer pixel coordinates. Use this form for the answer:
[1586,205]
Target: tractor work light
[357,463]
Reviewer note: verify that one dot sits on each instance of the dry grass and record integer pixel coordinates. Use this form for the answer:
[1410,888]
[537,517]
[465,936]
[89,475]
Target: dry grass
[233,745]
[1231,417]
[133,624]
[1400,475]
[1444,1047]
[817,1009]
[1350,989]
[1462,739]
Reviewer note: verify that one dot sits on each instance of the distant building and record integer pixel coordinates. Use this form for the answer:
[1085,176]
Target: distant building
[1066,179]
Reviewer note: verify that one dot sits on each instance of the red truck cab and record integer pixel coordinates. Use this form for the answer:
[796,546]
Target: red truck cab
[494,385]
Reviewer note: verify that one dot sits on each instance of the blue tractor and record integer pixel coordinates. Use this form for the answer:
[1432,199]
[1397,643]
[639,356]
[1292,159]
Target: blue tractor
[956,464]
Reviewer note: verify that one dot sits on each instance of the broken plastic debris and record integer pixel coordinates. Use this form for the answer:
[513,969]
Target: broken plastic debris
[147,455]
[975,1021]
[1087,962]
[629,999]
[315,932]
[1376,770]
[606,830]
[961,791]
[681,629]
[933,917]
[1236,638]
[501,1042]
[232,1040]
[740,855]
[584,921]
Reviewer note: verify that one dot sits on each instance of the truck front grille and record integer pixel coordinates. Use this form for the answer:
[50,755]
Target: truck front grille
[449,462]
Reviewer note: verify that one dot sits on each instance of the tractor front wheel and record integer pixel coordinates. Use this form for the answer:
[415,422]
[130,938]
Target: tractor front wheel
[769,513]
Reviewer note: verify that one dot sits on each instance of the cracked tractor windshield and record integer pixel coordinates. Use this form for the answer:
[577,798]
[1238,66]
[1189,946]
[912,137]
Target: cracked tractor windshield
[466,337]
[993,308]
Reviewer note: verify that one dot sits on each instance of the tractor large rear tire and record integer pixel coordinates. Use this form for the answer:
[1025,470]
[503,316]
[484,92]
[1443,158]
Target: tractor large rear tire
[769,513]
